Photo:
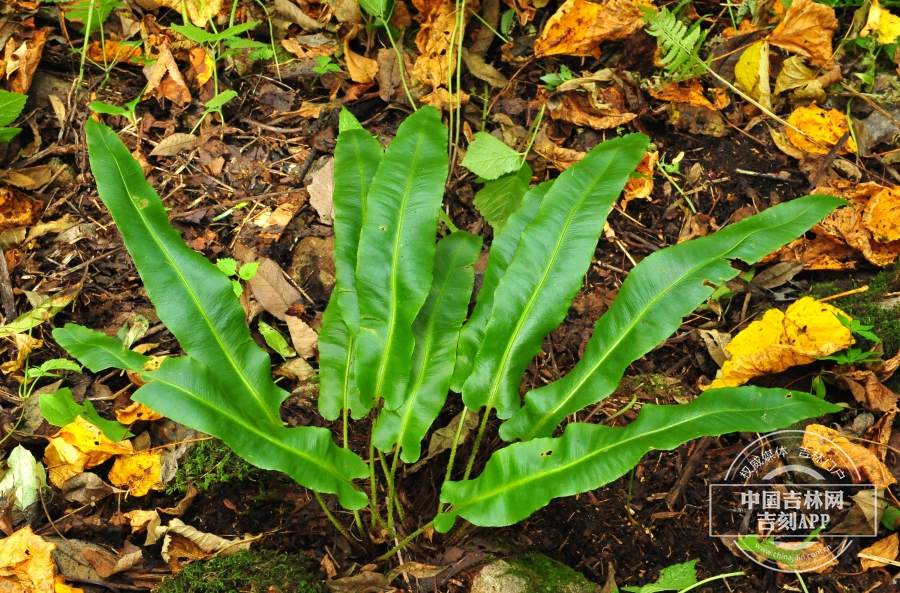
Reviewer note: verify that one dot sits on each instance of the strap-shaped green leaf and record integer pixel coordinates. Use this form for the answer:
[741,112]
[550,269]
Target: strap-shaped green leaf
[502,250]
[356,158]
[396,254]
[436,330]
[554,253]
[523,477]
[186,391]
[194,299]
[657,294]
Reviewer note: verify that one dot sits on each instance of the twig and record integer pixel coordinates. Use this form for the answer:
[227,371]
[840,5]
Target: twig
[689,470]
[275,129]
[859,290]
[767,176]
[6,293]
[829,158]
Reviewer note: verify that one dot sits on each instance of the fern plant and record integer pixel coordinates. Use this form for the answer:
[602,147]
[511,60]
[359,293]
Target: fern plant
[679,44]
[393,340]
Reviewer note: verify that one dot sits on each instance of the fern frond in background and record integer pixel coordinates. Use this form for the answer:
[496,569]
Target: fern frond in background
[679,44]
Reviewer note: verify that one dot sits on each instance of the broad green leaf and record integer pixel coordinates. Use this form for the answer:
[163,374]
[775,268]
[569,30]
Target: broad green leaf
[198,35]
[96,350]
[376,8]
[673,578]
[239,402]
[524,477]
[101,10]
[227,266]
[43,312]
[436,330]
[7,134]
[221,99]
[553,255]
[347,121]
[489,157]
[54,364]
[396,254]
[59,409]
[25,477]
[499,198]
[248,270]
[357,155]
[107,109]
[657,294]
[502,250]
[275,340]
[11,105]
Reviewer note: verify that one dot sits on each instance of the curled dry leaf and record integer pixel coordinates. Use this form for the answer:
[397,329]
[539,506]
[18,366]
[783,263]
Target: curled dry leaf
[806,330]
[272,291]
[304,338]
[136,412]
[165,80]
[580,26]
[183,542]
[441,100]
[690,92]
[601,107]
[816,557]
[433,40]
[883,23]
[886,548]
[174,144]
[114,52]
[868,390]
[199,11]
[807,30]
[641,187]
[139,473]
[360,68]
[79,446]
[561,158]
[25,345]
[22,61]
[321,190]
[86,488]
[25,562]
[824,127]
[18,209]
[828,449]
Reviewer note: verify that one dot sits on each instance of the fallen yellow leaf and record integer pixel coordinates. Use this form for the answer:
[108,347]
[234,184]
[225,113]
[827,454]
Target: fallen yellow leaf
[360,68]
[807,29]
[25,345]
[136,411]
[202,64]
[752,73]
[114,52]
[79,446]
[25,562]
[690,92]
[433,40]
[825,127]
[580,26]
[806,330]
[164,79]
[829,449]
[880,21]
[199,11]
[886,548]
[139,472]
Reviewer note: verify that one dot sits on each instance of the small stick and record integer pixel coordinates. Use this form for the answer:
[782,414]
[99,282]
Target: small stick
[829,158]
[859,290]
[689,470]
[6,293]
[768,176]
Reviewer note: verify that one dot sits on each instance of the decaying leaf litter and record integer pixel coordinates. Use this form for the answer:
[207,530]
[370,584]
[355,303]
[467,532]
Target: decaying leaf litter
[236,132]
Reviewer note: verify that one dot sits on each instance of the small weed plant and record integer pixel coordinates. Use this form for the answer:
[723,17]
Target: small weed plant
[395,339]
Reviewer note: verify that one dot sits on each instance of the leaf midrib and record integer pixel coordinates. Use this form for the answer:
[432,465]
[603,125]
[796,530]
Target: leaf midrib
[414,389]
[203,315]
[495,386]
[621,336]
[382,365]
[509,486]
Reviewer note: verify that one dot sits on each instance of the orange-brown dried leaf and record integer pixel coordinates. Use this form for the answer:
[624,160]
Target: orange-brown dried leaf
[140,472]
[641,187]
[807,30]
[886,548]
[199,11]
[79,446]
[818,253]
[433,40]
[577,108]
[18,209]
[561,158]
[690,92]
[816,557]
[25,562]
[825,127]
[829,449]
[807,330]
[113,52]
[165,80]
[440,99]
[580,26]
[202,64]
[23,62]
[882,215]
[135,412]
[360,68]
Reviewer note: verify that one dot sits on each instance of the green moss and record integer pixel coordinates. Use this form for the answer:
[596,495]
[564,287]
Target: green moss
[545,575]
[264,571]
[209,463]
[867,306]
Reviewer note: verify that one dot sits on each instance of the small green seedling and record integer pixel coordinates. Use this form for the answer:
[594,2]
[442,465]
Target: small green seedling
[679,577]
[215,105]
[324,66]
[858,328]
[554,79]
[852,356]
[229,267]
[60,409]
[11,106]
[275,340]
[129,110]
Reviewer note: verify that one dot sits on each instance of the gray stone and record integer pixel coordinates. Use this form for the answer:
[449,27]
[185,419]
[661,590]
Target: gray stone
[530,573]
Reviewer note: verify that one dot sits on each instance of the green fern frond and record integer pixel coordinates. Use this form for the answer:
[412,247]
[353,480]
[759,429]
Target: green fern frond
[679,45]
